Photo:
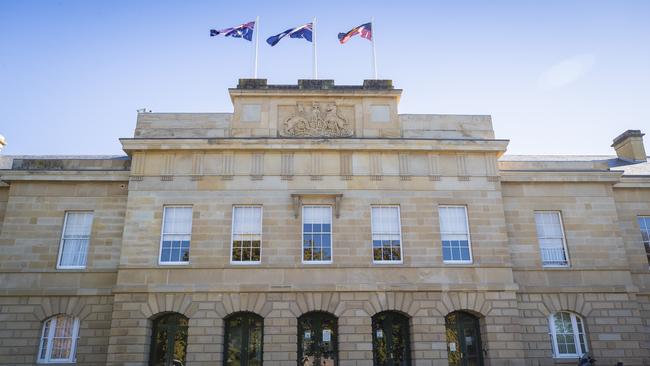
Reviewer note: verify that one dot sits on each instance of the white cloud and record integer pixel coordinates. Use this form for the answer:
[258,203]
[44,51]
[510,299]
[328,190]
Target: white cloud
[566,72]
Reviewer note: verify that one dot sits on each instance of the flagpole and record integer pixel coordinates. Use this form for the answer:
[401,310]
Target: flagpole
[374,52]
[257,44]
[315,59]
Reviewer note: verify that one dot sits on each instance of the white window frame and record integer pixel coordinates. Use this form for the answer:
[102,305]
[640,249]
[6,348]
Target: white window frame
[162,236]
[65,222]
[564,244]
[469,240]
[302,236]
[643,243]
[232,235]
[372,232]
[50,338]
[576,336]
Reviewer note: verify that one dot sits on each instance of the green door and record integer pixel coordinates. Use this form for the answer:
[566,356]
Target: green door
[317,339]
[168,341]
[463,339]
[243,342]
[391,339]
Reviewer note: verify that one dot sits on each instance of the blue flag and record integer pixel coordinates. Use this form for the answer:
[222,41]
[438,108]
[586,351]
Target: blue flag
[304,31]
[244,31]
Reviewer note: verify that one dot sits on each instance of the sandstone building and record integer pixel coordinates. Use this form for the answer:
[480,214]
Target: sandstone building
[315,225]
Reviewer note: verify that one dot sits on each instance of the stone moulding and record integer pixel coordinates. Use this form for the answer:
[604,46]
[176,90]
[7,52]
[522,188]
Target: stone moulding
[316,120]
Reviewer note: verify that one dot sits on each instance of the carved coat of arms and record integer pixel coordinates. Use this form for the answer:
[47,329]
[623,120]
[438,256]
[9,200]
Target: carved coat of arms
[316,121]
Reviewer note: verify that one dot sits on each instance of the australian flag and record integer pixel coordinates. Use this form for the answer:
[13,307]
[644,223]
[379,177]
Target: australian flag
[365,30]
[244,31]
[304,31]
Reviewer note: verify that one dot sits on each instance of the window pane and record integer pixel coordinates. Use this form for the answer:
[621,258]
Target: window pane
[550,238]
[569,339]
[386,231]
[317,239]
[57,341]
[75,238]
[177,232]
[644,225]
[247,234]
[454,234]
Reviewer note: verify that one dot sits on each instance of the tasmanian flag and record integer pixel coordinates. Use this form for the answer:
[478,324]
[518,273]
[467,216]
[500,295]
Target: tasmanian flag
[244,31]
[365,30]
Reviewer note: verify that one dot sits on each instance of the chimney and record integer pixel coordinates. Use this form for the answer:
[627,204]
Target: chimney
[629,146]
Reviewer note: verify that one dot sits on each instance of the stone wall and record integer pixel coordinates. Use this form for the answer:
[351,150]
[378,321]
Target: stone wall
[34,216]
[22,322]
[613,324]
[130,332]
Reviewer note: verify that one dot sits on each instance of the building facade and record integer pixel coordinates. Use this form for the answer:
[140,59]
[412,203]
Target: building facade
[315,225]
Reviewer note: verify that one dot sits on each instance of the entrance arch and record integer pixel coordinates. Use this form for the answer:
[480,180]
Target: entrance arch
[168,340]
[464,346]
[318,339]
[243,339]
[391,341]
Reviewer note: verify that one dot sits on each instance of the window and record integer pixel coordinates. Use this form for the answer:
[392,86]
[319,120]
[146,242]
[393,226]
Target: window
[551,238]
[567,332]
[317,234]
[176,233]
[59,339]
[644,224]
[168,340]
[243,340]
[454,232]
[386,234]
[246,234]
[73,249]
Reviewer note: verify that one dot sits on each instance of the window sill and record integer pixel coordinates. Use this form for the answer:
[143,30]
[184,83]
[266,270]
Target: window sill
[458,262]
[311,263]
[384,263]
[70,268]
[568,360]
[173,263]
[245,263]
[556,267]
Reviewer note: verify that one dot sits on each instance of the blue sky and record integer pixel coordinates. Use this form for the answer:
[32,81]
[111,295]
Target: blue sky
[558,77]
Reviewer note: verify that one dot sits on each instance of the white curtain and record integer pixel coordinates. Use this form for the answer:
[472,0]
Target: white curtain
[178,220]
[76,235]
[385,223]
[317,215]
[453,223]
[247,220]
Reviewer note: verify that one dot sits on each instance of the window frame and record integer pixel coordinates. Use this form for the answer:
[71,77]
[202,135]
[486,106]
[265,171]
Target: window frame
[302,236]
[469,238]
[50,337]
[232,233]
[372,233]
[162,236]
[643,242]
[564,241]
[62,238]
[576,335]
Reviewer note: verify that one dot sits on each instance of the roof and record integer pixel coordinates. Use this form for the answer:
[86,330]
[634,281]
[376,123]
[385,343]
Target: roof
[612,162]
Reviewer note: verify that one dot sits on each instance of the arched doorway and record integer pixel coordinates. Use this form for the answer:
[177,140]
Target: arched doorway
[463,339]
[168,340]
[318,339]
[391,342]
[243,339]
